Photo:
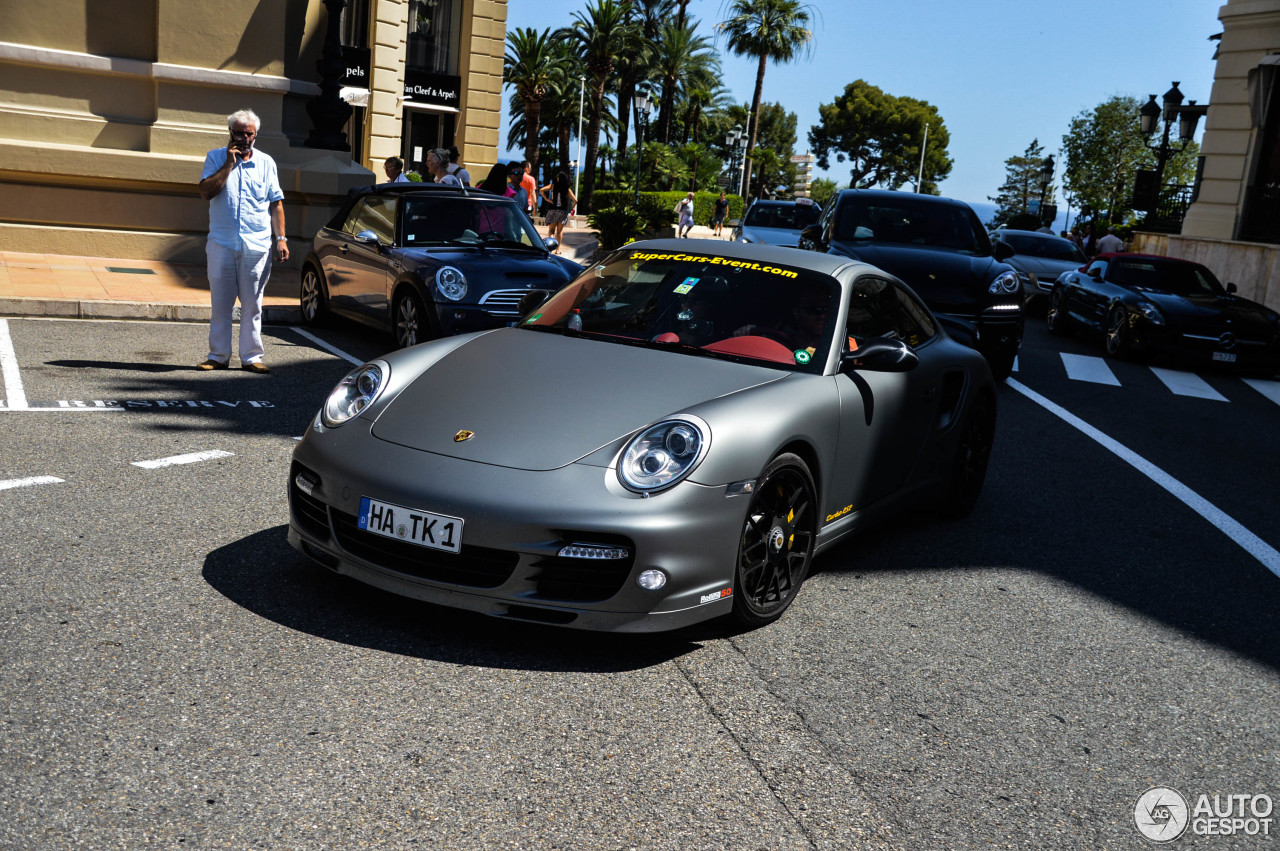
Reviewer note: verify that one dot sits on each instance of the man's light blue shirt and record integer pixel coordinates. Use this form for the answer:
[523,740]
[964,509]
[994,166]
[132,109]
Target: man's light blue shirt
[240,215]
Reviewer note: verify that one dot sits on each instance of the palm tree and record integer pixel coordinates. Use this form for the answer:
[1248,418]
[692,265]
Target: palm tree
[680,54]
[531,67]
[634,66]
[769,30]
[597,36]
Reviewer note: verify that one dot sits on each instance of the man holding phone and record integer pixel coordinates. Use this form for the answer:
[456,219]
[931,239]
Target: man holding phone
[246,224]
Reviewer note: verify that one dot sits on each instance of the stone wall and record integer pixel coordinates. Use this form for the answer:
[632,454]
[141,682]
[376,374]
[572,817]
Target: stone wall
[1253,267]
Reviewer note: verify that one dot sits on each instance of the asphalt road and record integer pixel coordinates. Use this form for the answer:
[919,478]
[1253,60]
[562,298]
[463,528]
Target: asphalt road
[177,676]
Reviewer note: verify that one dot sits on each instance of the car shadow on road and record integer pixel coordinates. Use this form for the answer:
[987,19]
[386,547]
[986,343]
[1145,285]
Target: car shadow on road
[266,576]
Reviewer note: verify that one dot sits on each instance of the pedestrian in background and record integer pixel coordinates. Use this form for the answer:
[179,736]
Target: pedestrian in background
[1088,242]
[246,221]
[1110,243]
[457,170]
[496,180]
[530,186]
[515,186]
[438,163]
[722,210]
[394,169]
[560,199]
[685,209]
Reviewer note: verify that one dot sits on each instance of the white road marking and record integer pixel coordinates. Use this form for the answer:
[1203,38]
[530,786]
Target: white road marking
[1015,363]
[189,458]
[327,347]
[29,409]
[1230,527]
[1088,368]
[1270,389]
[34,480]
[16,399]
[1187,384]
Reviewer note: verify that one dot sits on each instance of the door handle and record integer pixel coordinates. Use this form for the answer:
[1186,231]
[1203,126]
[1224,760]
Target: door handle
[343,248]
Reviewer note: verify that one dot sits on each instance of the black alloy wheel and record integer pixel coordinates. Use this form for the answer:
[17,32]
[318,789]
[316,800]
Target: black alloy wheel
[777,542]
[409,322]
[313,297]
[969,468]
[1119,336]
[1055,316]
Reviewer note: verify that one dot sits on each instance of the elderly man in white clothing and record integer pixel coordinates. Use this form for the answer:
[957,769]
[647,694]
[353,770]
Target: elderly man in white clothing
[246,222]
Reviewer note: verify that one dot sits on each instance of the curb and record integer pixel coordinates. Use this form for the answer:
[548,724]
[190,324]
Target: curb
[276,314]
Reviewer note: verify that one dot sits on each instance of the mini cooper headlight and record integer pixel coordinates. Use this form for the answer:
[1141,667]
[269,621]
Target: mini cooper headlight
[662,455]
[1151,312]
[1005,282]
[353,394]
[451,283]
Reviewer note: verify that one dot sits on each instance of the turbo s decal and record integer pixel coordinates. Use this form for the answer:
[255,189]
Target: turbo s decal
[841,513]
[715,595]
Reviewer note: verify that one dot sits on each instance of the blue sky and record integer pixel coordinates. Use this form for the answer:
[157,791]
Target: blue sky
[1001,72]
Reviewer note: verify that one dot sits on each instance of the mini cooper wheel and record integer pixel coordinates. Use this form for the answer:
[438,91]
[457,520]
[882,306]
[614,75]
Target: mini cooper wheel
[410,324]
[776,547]
[1055,316]
[313,297]
[1119,337]
[969,467]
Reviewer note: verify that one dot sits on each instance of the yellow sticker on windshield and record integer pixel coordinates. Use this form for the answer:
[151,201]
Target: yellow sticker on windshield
[715,261]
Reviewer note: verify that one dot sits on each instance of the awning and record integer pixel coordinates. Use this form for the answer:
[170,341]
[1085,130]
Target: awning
[1262,86]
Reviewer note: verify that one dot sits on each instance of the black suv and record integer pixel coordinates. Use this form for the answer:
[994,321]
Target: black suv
[939,248]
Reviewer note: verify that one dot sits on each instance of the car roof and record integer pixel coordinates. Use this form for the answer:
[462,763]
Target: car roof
[894,194]
[1126,255]
[828,264]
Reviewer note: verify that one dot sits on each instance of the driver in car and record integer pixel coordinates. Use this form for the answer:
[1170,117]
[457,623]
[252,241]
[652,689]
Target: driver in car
[803,329]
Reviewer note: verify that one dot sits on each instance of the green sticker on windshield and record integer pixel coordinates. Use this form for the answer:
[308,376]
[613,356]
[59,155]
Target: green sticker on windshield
[801,356]
[534,318]
[686,286]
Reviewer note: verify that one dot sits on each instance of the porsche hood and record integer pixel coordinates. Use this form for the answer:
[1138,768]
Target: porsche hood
[502,398]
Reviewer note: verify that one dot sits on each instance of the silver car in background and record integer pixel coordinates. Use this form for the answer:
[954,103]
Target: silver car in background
[1039,258]
[776,222]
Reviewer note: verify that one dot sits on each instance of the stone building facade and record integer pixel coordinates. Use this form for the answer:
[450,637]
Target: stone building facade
[107,108]
[1233,226]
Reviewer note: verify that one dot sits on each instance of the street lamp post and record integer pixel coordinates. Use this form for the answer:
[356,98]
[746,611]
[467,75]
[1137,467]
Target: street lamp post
[1149,117]
[734,141]
[643,104]
[582,87]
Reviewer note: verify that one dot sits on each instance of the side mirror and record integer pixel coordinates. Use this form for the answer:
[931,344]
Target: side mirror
[532,300]
[1096,274]
[368,237]
[1231,287]
[733,223]
[550,244]
[1002,250]
[813,233]
[880,354]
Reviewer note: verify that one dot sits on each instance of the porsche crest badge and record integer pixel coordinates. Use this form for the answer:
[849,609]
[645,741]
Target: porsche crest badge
[463,435]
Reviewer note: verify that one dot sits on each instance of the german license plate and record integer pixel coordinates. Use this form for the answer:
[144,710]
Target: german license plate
[1225,357]
[411,525]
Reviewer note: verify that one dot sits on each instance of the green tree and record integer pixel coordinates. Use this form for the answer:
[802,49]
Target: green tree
[1104,149]
[681,52]
[635,64]
[880,135]
[533,66]
[822,190]
[597,36]
[1021,184]
[768,31]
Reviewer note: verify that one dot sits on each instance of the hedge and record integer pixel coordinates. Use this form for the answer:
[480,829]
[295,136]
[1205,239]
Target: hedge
[657,208]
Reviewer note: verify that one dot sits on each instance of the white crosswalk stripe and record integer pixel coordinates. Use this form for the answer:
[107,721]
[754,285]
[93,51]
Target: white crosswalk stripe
[1270,389]
[1187,384]
[1089,368]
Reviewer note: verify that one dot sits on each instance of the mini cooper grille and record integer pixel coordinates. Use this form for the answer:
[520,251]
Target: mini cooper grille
[503,302]
[308,511]
[580,580]
[478,567]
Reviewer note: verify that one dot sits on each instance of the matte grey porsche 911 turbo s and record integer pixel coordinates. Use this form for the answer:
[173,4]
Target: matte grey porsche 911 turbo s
[672,437]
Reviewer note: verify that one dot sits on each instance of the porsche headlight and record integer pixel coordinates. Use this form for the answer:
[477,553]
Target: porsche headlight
[353,394]
[451,283]
[662,455]
[1151,312]
[1004,283]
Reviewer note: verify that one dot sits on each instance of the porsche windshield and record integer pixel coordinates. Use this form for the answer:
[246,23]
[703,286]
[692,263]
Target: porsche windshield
[700,303]
[467,221]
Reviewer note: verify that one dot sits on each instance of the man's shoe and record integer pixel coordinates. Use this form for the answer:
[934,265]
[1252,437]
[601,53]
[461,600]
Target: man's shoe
[211,364]
[260,368]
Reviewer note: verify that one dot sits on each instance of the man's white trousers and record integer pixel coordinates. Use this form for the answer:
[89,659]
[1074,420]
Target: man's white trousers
[236,274]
